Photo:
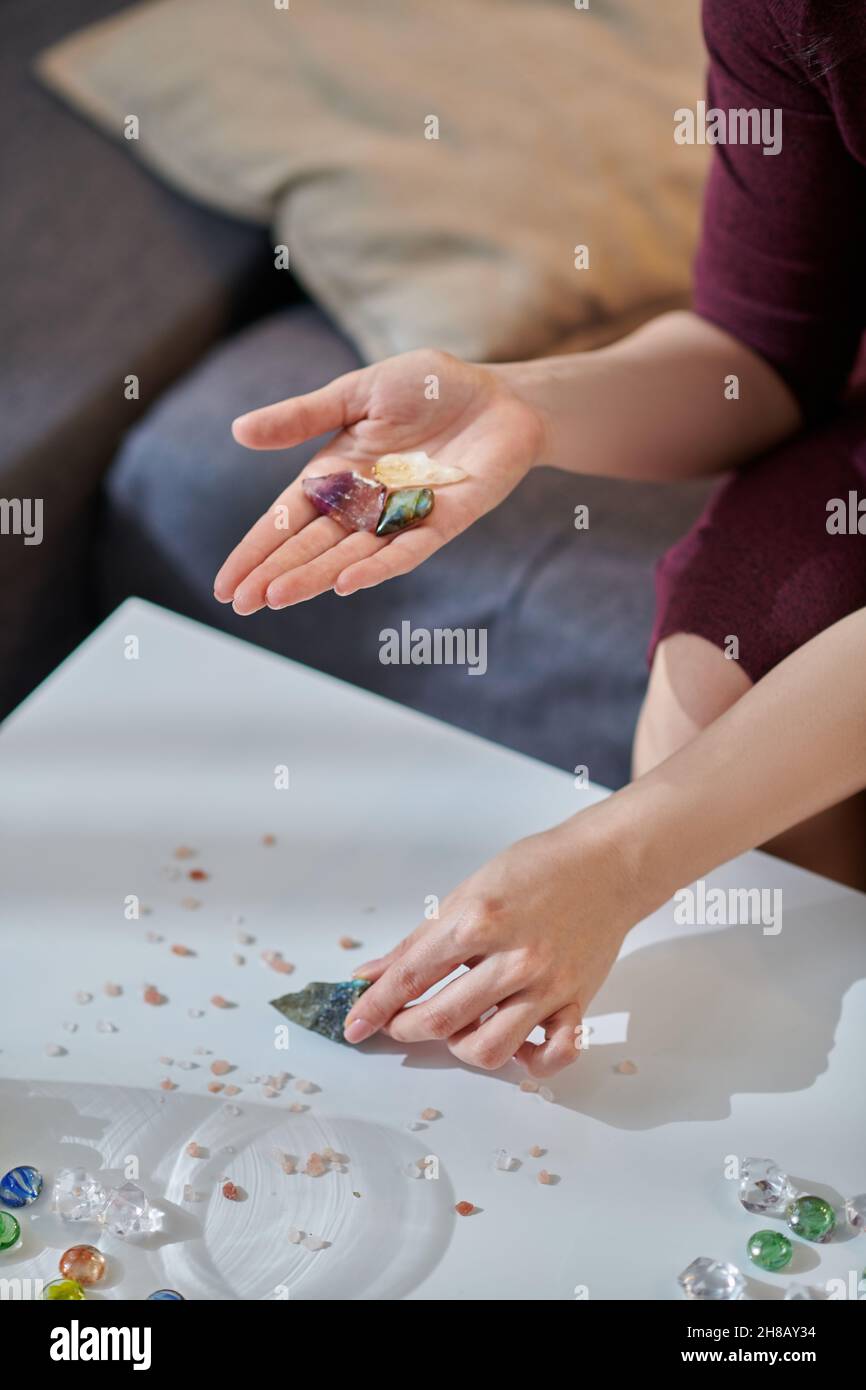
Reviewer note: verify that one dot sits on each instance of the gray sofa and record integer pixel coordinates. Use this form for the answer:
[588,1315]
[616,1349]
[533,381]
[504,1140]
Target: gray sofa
[111,274]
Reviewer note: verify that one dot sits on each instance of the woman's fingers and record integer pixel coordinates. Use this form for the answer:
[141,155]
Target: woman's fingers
[333,407]
[304,566]
[432,956]
[290,513]
[401,554]
[493,1042]
[458,1005]
[561,1046]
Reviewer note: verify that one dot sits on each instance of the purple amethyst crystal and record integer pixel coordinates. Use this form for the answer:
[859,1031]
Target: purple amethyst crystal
[353,500]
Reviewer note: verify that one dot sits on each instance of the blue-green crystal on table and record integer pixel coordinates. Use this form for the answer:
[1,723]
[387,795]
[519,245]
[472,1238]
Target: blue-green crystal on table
[322,1007]
[10,1231]
[403,508]
[812,1218]
[770,1250]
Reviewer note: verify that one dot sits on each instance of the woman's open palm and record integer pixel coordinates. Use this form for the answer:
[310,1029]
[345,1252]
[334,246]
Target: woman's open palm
[456,412]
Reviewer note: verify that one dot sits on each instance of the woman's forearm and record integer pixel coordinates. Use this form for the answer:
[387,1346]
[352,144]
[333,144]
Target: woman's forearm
[793,745]
[658,405]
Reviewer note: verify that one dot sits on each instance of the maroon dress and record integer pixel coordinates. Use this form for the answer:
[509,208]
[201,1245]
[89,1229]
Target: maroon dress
[782,267]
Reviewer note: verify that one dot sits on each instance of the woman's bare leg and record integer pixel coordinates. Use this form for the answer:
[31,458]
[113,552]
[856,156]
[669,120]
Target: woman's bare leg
[692,683]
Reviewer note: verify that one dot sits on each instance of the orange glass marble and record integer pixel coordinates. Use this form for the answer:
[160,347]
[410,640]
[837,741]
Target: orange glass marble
[83,1263]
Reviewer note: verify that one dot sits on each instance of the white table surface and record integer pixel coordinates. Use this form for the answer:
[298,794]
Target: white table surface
[745,1043]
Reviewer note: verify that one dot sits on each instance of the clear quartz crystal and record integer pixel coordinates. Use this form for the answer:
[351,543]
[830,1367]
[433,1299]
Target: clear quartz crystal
[711,1280]
[503,1161]
[855,1210]
[77,1196]
[129,1213]
[764,1188]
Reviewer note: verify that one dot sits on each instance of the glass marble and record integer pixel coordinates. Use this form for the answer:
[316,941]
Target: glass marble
[166,1296]
[403,508]
[811,1217]
[770,1250]
[83,1263]
[322,1007]
[855,1210]
[350,498]
[711,1280]
[764,1188]
[20,1186]
[10,1231]
[63,1289]
[129,1213]
[77,1196]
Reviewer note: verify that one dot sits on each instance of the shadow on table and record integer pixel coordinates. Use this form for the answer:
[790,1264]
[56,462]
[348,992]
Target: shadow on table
[712,1015]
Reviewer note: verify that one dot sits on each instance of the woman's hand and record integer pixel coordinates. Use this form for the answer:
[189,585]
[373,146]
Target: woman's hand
[539,927]
[458,413]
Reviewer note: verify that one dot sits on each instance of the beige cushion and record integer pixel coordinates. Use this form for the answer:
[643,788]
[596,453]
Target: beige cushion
[555,130]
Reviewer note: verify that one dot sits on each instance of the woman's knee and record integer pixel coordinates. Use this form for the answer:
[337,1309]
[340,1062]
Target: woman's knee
[692,682]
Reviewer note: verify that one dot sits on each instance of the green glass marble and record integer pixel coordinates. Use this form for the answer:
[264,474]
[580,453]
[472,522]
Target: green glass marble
[63,1289]
[403,507]
[770,1250]
[811,1217]
[322,1007]
[10,1231]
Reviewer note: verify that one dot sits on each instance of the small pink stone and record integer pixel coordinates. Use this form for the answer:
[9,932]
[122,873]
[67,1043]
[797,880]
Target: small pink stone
[195,1150]
[545,1178]
[219,1068]
[289,1164]
[282,967]
[430,1114]
[153,936]
[231,1193]
[269,840]
[529,1085]
[536,1151]
[305,1086]
[166,1061]
[348,943]
[166,1084]
[232,1091]
[190,904]
[54,1050]
[152,995]
[185,852]
[297,1109]
[626,1068]
[315,1166]
[270,1092]
[219,1002]
[112,990]
[215,1086]
[181,951]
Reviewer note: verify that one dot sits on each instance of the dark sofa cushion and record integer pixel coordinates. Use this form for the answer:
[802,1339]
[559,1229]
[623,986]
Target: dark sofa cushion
[104,272]
[567,612]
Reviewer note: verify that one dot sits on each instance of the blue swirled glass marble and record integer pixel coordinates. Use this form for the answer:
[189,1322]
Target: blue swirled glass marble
[167,1296]
[20,1186]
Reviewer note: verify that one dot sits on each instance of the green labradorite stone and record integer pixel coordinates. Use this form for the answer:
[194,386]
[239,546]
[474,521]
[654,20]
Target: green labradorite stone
[403,507]
[770,1249]
[63,1288]
[322,1007]
[811,1217]
[10,1231]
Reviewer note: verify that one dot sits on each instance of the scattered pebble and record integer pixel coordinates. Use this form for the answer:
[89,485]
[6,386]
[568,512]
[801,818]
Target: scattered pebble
[626,1068]
[295,1236]
[414,1124]
[201,1051]
[529,1085]
[244,938]
[301,1085]
[215,1087]
[275,960]
[430,1113]
[54,1050]
[82,997]
[314,1243]
[315,1166]
[464,1208]
[232,1110]
[112,990]
[537,1151]
[199,875]
[195,1150]
[195,1013]
[219,1067]
[270,1092]
[348,943]
[166,1061]
[546,1178]
[356,1194]
[231,1192]
[269,840]
[185,1065]
[185,852]
[504,1161]
[190,904]
[219,1002]
[179,950]
[152,995]
[105,1026]
[232,1091]
[239,960]
[289,1164]
[296,1108]
[153,936]
[166,1084]
[71,1027]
